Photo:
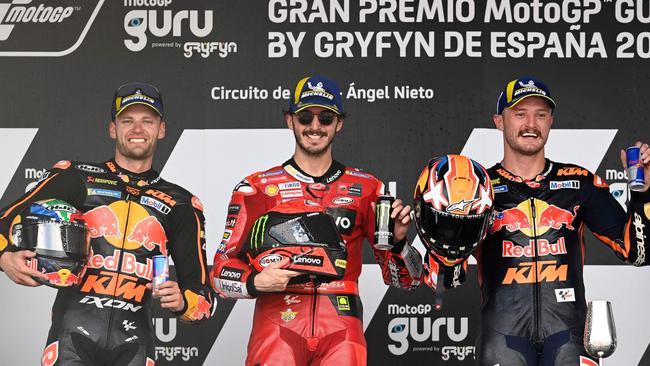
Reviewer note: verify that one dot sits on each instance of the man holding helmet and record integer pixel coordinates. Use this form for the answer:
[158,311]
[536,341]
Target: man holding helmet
[453,201]
[312,322]
[531,262]
[131,215]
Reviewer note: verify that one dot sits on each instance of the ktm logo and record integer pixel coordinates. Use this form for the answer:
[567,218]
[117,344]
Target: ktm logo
[507,175]
[111,166]
[111,283]
[528,272]
[572,171]
[162,196]
[132,191]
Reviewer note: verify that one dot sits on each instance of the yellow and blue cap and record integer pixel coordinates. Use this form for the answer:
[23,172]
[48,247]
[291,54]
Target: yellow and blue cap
[518,89]
[136,93]
[316,91]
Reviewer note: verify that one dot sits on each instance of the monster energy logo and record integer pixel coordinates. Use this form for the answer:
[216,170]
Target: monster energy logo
[258,231]
[383,209]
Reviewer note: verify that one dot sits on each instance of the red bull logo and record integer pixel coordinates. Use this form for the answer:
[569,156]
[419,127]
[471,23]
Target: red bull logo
[512,219]
[554,217]
[520,218]
[149,233]
[62,278]
[202,309]
[143,230]
[198,307]
[513,250]
[130,264]
[103,222]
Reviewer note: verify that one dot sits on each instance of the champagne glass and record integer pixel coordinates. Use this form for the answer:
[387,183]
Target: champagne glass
[600,331]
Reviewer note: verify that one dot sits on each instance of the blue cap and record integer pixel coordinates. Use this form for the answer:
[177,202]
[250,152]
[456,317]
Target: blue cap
[519,89]
[316,91]
[136,93]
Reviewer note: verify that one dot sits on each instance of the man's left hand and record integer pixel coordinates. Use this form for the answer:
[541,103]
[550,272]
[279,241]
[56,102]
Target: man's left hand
[169,294]
[402,217]
[645,159]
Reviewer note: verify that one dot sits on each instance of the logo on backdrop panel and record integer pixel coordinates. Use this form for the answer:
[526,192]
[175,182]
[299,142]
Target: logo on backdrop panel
[150,24]
[23,23]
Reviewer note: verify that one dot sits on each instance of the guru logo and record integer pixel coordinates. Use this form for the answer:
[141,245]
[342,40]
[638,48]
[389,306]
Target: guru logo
[403,331]
[160,23]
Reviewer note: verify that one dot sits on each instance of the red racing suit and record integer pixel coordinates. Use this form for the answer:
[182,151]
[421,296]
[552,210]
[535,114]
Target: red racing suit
[309,323]
[531,263]
[130,217]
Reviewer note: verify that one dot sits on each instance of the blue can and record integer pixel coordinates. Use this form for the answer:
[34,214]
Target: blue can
[635,176]
[160,270]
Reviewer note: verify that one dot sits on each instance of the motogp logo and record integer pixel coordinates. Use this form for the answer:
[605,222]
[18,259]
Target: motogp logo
[66,23]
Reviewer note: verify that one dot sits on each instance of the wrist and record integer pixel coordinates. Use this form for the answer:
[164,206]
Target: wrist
[399,245]
[250,285]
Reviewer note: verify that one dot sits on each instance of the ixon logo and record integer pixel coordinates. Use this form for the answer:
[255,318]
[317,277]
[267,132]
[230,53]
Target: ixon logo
[139,23]
[20,20]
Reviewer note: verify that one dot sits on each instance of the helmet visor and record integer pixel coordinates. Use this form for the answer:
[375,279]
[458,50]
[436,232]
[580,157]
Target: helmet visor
[54,239]
[313,229]
[455,234]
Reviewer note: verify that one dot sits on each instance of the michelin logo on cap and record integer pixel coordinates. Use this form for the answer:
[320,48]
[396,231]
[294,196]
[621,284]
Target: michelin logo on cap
[530,87]
[316,91]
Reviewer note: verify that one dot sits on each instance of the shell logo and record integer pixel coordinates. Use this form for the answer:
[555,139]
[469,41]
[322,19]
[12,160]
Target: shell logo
[271,190]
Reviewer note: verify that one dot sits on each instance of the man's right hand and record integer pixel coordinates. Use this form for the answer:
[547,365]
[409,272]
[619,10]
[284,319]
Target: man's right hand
[274,278]
[14,264]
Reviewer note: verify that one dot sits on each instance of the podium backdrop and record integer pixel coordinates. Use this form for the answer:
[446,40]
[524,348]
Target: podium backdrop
[420,78]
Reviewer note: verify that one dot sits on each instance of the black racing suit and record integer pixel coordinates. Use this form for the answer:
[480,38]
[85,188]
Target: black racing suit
[531,263]
[130,218]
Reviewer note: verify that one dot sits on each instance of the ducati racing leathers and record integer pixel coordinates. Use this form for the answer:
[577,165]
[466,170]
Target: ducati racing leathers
[130,217]
[309,323]
[531,263]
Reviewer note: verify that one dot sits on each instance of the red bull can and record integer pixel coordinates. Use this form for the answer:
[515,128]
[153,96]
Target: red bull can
[384,224]
[635,176]
[160,270]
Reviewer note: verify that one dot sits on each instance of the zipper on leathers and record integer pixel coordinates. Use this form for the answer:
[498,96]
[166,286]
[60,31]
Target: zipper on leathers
[537,306]
[119,268]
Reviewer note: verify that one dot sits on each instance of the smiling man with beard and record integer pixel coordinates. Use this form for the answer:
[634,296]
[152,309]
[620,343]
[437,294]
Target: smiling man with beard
[310,323]
[531,262]
[131,215]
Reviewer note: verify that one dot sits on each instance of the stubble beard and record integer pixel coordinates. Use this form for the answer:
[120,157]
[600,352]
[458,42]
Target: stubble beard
[312,151]
[137,154]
